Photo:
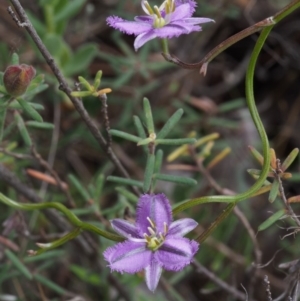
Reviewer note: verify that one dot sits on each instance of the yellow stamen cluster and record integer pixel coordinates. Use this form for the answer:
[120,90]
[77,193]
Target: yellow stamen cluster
[159,21]
[154,240]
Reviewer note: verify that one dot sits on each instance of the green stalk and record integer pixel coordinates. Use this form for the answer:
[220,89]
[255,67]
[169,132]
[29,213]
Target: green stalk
[73,219]
[260,128]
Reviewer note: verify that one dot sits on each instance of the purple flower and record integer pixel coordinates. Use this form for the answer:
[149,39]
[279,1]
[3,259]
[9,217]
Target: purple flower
[172,19]
[154,242]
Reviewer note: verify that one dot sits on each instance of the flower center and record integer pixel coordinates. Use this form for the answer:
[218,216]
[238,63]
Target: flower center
[154,240]
[161,15]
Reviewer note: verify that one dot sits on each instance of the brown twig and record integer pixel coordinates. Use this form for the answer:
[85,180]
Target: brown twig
[103,99]
[219,282]
[63,85]
[288,207]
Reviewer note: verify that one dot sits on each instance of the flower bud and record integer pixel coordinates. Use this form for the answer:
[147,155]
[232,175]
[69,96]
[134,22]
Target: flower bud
[17,78]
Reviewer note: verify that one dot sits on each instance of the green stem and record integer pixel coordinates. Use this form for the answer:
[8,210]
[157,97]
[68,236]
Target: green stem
[165,47]
[73,219]
[260,128]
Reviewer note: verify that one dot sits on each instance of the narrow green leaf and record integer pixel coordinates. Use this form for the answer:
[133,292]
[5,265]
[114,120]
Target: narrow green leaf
[23,130]
[274,191]
[81,93]
[172,121]
[158,161]
[149,172]
[84,193]
[40,125]
[81,59]
[18,264]
[148,116]
[2,121]
[69,10]
[16,105]
[97,80]
[125,181]
[49,284]
[139,127]
[256,155]
[99,183]
[271,220]
[38,80]
[145,141]
[15,59]
[50,255]
[129,195]
[30,110]
[38,89]
[290,159]
[175,141]
[157,166]
[140,130]
[85,84]
[125,135]
[175,179]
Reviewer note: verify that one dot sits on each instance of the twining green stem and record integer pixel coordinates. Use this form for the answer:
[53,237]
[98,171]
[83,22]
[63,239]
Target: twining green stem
[73,219]
[260,128]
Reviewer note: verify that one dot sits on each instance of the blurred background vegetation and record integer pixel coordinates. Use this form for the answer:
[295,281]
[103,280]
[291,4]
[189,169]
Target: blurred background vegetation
[76,34]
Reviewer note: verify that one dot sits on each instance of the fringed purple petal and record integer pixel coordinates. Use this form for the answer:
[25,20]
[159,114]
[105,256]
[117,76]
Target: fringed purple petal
[129,257]
[129,27]
[196,21]
[147,19]
[152,275]
[176,253]
[143,38]
[157,208]
[172,30]
[124,228]
[181,227]
[192,4]
[181,12]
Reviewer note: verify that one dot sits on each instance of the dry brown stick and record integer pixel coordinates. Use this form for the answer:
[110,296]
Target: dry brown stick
[63,85]
[219,282]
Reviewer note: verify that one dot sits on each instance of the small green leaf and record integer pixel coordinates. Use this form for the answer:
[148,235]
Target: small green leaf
[15,59]
[149,172]
[271,220]
[256,155]
[18,264]
[22,128]
[81,93]
[97,80]
[148,116]
[2,121]
[125,135]
[129,195]
[99,183]
[49,284]
[175,141]
[274,191]
[40,125]
[175,179]
[69,10]
[145,141]
[30,110]
[290,159]
[125,181]
[84,193]
[140,130]
[172,121]
[81,59]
